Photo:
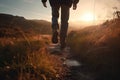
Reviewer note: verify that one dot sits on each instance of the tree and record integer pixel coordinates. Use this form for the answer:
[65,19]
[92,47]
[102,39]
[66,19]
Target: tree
[116,13]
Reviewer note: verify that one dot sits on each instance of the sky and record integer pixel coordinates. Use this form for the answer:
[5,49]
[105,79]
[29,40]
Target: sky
[33,9]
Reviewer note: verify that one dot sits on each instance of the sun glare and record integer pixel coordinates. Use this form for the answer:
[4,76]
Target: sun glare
[88,17]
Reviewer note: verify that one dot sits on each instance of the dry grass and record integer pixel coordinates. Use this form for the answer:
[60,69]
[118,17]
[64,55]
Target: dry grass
[98,46]
[28,60]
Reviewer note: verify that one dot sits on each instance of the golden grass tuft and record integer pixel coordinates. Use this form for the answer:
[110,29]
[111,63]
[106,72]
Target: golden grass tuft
[20,60]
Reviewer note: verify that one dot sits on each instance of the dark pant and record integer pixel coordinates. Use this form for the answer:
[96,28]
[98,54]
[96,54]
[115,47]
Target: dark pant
[64,19]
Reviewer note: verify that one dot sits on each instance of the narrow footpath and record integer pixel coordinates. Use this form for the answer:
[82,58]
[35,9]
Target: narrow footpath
[78,71]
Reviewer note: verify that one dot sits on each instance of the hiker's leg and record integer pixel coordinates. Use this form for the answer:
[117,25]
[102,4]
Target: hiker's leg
[55,16]
[55,25]
[64,24]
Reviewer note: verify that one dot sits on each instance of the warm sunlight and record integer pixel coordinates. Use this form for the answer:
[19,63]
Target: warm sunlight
[88,17]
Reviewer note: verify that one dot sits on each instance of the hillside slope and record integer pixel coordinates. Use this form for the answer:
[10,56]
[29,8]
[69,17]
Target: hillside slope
[9,23]
[98,47]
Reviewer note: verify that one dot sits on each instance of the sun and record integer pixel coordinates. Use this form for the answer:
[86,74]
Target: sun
[87,17]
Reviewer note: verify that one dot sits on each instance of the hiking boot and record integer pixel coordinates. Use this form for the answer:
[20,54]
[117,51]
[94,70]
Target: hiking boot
[55,37]
[63,46]
[62,43]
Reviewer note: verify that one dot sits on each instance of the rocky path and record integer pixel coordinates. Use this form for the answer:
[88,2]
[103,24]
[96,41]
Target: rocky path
[78,71]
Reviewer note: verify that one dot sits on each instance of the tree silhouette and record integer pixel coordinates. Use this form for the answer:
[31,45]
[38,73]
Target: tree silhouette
[116,13]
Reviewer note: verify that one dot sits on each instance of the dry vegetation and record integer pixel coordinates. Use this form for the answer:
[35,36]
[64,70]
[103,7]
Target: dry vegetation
[23,53]
[22,59]
[98,47]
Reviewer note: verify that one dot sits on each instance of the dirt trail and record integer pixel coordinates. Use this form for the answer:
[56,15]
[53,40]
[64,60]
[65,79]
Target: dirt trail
[78,71]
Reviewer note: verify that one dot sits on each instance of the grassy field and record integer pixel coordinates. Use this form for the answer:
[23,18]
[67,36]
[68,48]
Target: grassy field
[23,53]
[28,59]
[98,47]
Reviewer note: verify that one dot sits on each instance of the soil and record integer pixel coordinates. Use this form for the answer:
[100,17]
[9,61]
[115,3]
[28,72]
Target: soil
[78,71]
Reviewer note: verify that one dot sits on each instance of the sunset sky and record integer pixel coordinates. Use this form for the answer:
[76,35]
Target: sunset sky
[33,9]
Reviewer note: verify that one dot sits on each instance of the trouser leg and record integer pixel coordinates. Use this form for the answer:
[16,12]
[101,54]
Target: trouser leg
[55,16]
[64,23]
[55,25]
